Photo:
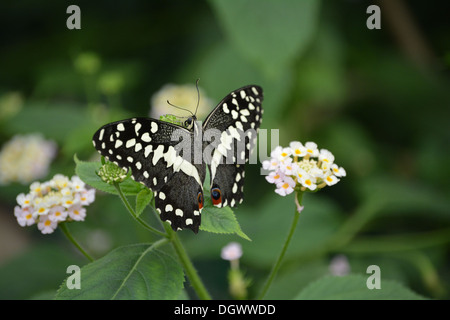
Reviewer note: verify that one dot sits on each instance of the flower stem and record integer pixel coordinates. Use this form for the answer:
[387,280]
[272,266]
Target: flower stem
[277,264]
[133,213]
[191,273]
[69,236]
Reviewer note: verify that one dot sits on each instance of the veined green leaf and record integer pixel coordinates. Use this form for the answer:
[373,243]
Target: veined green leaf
[87,171]
[133,272]
[143,198]
[220,220]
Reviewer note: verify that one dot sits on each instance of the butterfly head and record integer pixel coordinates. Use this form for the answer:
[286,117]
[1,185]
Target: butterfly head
[189,123]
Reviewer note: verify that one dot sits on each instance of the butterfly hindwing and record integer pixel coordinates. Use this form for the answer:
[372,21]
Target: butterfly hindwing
[238,116]
[174,202]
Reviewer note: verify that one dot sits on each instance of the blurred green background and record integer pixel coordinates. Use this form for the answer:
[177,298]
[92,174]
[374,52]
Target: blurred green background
[378,99]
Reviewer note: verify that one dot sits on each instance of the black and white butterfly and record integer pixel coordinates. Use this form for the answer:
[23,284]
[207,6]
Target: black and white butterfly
[171,159]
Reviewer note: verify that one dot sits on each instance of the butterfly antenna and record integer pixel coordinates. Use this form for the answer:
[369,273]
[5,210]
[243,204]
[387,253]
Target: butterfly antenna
[179,107]
[198,95]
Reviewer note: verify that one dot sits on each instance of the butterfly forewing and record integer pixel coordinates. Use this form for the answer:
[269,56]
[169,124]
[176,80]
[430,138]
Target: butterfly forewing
[150,148]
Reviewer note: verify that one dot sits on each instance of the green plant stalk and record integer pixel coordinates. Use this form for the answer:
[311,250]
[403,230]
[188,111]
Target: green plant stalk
[69,236]
[133,213]
[191,273]
[277,264]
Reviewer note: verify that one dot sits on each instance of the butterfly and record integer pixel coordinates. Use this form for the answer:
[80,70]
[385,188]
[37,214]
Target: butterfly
[171,158]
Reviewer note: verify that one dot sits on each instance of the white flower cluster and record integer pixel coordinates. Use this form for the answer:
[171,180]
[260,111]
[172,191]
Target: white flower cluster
[25,158]
[184,96]
[302,166]
[54,201]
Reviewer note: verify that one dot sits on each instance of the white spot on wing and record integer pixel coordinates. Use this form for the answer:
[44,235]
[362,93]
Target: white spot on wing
[158,154]
[244,112]
[146,137]
[100,136]
[118,143]
[154,127]
[147,150]
[130,143]
[137,127]
[137,147]
[234,133]
[190,170]
[170,156]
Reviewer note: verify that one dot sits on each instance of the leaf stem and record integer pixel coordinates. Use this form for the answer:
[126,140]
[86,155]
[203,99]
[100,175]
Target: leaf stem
[69,236]
[133,213]
[277,264]
[191,273]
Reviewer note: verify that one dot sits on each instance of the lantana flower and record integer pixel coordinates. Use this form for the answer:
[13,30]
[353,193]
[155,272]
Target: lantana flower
[302,167]
[25,158]
[52,202]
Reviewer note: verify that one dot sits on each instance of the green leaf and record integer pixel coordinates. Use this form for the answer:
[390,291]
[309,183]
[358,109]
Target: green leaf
[353,287]
[87,171]
[220,220]
[143,198]
[270,33]
[131,272]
